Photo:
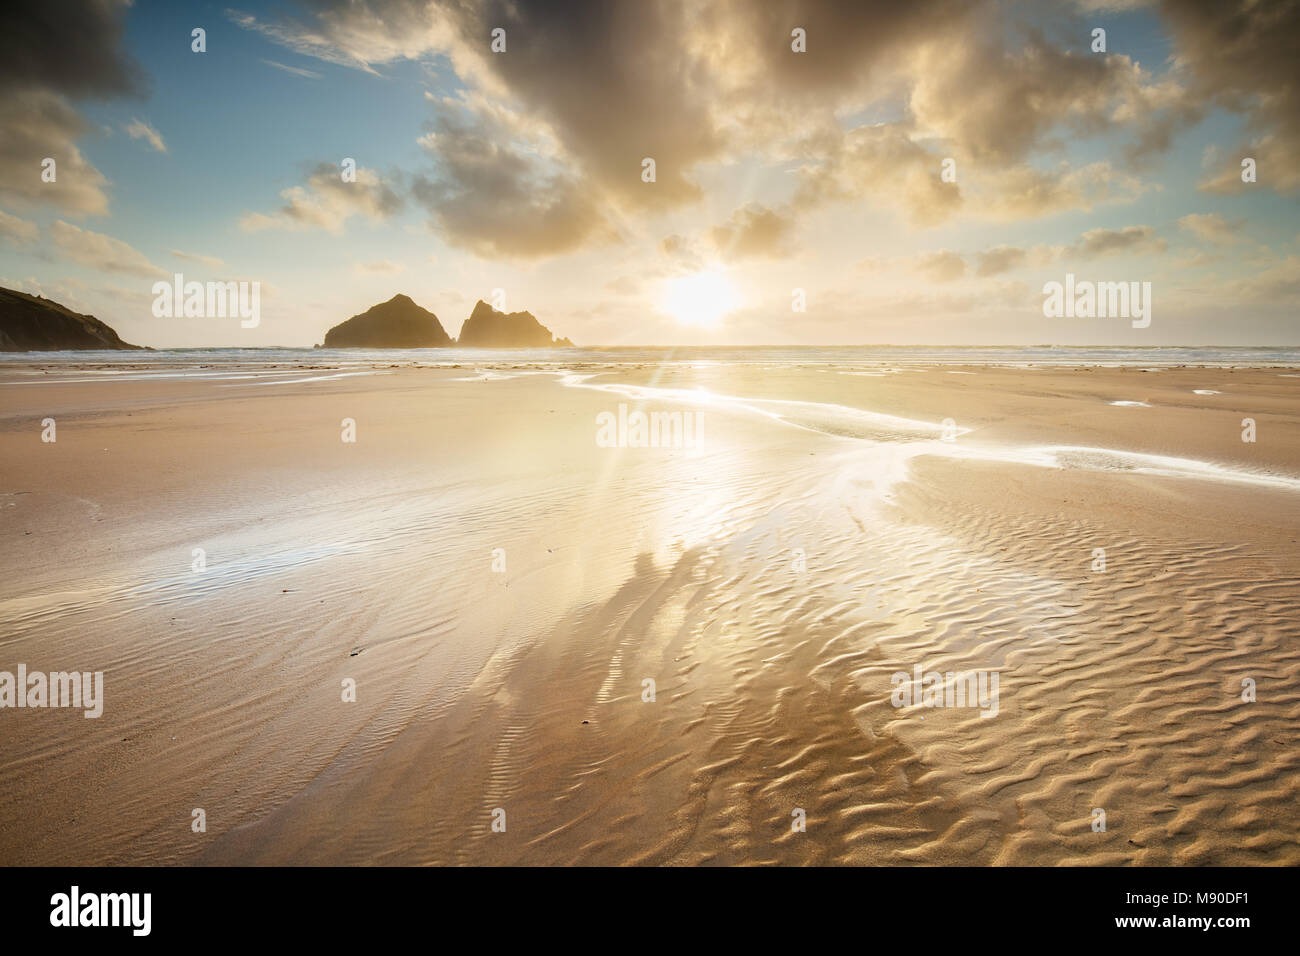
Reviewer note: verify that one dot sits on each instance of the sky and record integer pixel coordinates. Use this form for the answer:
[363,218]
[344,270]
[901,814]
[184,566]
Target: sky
[915,174]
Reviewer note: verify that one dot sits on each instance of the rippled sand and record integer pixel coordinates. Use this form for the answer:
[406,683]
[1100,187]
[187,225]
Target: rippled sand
[831,531]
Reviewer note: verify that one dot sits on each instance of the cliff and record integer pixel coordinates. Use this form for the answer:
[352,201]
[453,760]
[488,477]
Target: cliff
[30,323]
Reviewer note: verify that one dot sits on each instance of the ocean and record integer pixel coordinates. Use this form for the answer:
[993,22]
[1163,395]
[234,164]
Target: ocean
[883,355]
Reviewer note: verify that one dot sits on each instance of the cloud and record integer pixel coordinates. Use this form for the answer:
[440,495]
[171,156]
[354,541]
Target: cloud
[53,53]
[1026,192]
[17,232]
[354,37]
[682,254]
[70,47]
[574,105]
[941,266]
[572,76]
[883,162]
[1132,240]
[993,108]
[705,81]
[295,70]
[496,197]
[101,252]
[381,267]
[1212,227]
[327,202]
[996,105]
[753,232]
[1240,54]
[212,262]
[654,103]
[999,259]
[139,129]
[624,285]
[1093,244]
[1276,285]
[35,125]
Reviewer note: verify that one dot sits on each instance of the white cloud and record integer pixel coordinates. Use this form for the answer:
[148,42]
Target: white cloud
[1131,240]
[210,261]
[1212,227]
[101,252]
[36,125]
[17,232]
[327,202]
[295,70]
[381,267]
[139,129]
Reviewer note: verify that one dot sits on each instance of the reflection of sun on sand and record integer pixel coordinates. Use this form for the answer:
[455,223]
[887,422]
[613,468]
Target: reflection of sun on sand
[682,647]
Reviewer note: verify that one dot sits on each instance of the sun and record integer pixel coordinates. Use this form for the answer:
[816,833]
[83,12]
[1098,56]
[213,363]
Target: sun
[701,300]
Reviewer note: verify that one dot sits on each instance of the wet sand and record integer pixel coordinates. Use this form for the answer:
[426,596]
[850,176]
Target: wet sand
[824,535]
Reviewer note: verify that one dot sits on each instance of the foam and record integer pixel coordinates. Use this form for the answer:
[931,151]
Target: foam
[916,437]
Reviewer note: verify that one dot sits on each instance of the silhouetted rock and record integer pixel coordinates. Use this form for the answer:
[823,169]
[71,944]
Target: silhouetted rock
[396,324]
[31,323]
[486,328]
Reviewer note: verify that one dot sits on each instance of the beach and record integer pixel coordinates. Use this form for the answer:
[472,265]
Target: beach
[565,649]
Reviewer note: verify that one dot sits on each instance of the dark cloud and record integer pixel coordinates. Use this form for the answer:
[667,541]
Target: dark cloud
[494,198]
[70,47]
[593,88]
[1241,54]
[52,53]
[618,82]
[854,48]
[753,232]
[996,104]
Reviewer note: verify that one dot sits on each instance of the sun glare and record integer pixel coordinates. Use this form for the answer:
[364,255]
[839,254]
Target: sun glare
[701,300]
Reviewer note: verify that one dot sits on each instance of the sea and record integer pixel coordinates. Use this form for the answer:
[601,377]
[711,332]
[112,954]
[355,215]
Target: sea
[854,355]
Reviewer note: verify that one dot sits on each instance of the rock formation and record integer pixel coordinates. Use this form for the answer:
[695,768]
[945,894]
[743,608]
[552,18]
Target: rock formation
[31,323]
[396,324]
[486,328]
